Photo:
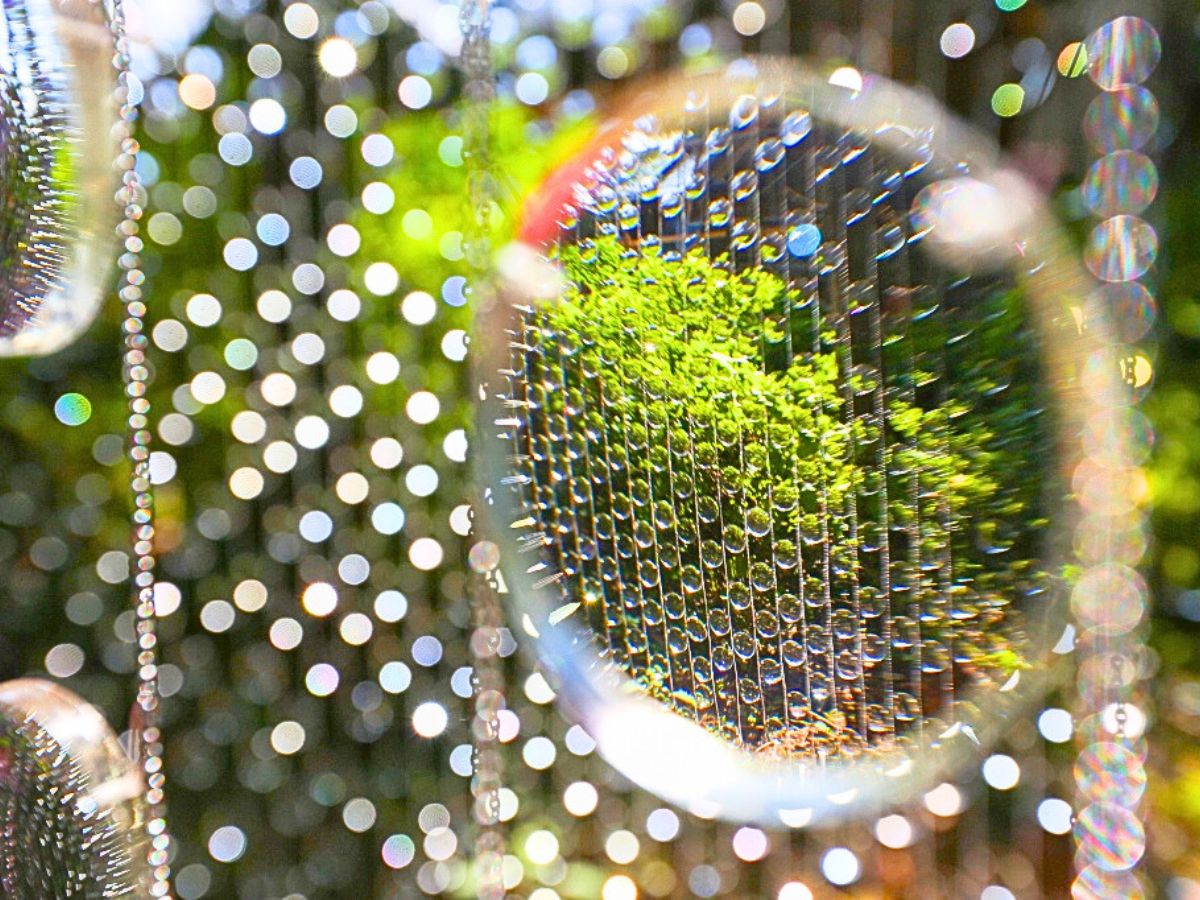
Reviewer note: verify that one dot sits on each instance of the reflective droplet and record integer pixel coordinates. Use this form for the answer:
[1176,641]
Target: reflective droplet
[807,400]
[56,174]
[66,776]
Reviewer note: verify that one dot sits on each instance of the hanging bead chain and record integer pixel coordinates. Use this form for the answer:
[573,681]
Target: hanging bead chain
[1111,642]
[478,89]
[147,738]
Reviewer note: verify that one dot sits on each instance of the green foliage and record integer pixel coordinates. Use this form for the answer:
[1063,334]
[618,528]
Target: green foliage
[658,383]
[432,178]
[690,335]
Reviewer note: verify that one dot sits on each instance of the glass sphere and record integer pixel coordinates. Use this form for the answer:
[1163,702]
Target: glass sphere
[778,394]
[69,795]
[56,172]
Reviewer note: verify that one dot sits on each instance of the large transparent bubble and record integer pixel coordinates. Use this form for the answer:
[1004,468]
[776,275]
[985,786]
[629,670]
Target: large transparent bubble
[778,396]
[70,799]
[56,171]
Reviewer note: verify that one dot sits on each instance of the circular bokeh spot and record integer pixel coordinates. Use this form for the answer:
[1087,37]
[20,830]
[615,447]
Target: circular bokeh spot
[1096,884]
[1124,181]
[1107,772]
[957,40]
[1110,598]
[1110,836]
[1122,248]
[1128,306]
[72,409]
[1124,119]
[1008,100]
[1123,52]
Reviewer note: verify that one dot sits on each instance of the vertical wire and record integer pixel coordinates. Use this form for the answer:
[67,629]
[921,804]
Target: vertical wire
[680,682]
[811,179]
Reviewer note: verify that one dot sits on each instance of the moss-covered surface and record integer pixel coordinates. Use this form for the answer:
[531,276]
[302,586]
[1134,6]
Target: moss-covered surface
[702,474]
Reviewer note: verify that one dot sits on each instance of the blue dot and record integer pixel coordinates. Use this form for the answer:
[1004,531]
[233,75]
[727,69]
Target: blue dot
[454,290]
[423,58]
[1188,605]
[273,229]
[804,240]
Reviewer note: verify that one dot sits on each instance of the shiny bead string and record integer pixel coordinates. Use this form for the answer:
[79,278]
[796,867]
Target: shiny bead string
[131,197]
[489,846]
[1111,598]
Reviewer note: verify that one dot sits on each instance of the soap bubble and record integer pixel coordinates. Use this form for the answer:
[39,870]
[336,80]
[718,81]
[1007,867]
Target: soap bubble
[771,389]
[56,152]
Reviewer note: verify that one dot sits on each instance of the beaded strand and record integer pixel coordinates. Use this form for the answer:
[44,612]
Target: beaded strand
[488,619]
[131,197]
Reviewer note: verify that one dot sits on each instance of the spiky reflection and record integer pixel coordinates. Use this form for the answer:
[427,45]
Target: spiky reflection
[34,154]
[54,843]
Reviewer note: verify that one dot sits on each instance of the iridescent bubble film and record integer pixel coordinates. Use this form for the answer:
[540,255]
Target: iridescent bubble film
[1096,883]
[1110,836]
[1108,772]
[1129,306]
[1121,248]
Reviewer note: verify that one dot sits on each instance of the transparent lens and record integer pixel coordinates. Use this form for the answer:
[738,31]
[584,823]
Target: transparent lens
[69,797]
[778,394]
[56,174]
